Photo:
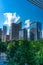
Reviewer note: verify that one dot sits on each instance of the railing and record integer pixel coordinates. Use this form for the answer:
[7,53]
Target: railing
[38,3]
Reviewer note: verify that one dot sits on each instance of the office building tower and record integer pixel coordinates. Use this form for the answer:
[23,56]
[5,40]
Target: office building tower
[33,34]
[4,32]
[35,31]
[23,34]
[0,33]
[14,31]
[20,25]
[6,38]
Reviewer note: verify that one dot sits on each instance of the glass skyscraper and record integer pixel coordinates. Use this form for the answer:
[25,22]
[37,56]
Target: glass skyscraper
[23,34]
[35,31]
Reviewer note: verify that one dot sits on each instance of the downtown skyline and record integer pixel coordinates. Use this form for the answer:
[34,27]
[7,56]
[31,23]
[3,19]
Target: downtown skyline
[23,9]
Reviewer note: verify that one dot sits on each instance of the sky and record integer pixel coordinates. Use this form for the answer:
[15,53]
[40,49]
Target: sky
[20,10]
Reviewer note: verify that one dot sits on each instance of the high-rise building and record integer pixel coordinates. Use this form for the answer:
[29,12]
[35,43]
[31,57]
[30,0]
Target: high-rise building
[20,25]
[33,34]
[23,34]
[6,38]
[14,31]
[4,32]
[35,31]
[0,33]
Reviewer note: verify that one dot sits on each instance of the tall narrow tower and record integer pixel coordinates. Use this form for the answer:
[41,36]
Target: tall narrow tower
[0,33]
[4,33]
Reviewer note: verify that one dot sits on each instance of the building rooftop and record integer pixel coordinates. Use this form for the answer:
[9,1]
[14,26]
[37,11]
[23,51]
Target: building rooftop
[35,22]
[38,3]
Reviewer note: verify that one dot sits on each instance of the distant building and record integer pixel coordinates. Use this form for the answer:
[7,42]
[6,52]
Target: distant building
[33,34]
[0,33]
[20,25]
[6,38]
[35,31]
[3,38]
[4,32]
[23,34]
[14,31]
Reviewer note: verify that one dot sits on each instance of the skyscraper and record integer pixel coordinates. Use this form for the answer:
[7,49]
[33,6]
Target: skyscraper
[0,33]
[14,31]
[20,25]
[6,38]
[4,32]
[23,34]
[35,31]
[33,34]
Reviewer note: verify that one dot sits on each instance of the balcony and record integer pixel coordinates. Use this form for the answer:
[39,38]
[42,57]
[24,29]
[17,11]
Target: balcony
[38,3]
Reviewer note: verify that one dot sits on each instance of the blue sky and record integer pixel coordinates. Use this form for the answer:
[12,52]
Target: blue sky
[24,9]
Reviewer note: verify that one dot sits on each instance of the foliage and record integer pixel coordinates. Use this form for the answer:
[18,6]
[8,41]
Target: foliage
[38,46]
[23,51]
[3,47]
[11,48]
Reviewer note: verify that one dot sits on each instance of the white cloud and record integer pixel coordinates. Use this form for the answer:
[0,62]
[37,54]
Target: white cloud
[27,24]
[11,17]
[8,18]
[15,18]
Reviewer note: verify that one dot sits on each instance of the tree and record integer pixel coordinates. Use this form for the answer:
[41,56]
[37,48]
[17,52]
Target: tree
[3,47]
[25,54]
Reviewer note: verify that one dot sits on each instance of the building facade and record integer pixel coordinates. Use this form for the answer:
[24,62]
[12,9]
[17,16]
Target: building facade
[23,34]
[14,31]
[6,38]
[35,31]
[4,33]
[0,33]
[4,30]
